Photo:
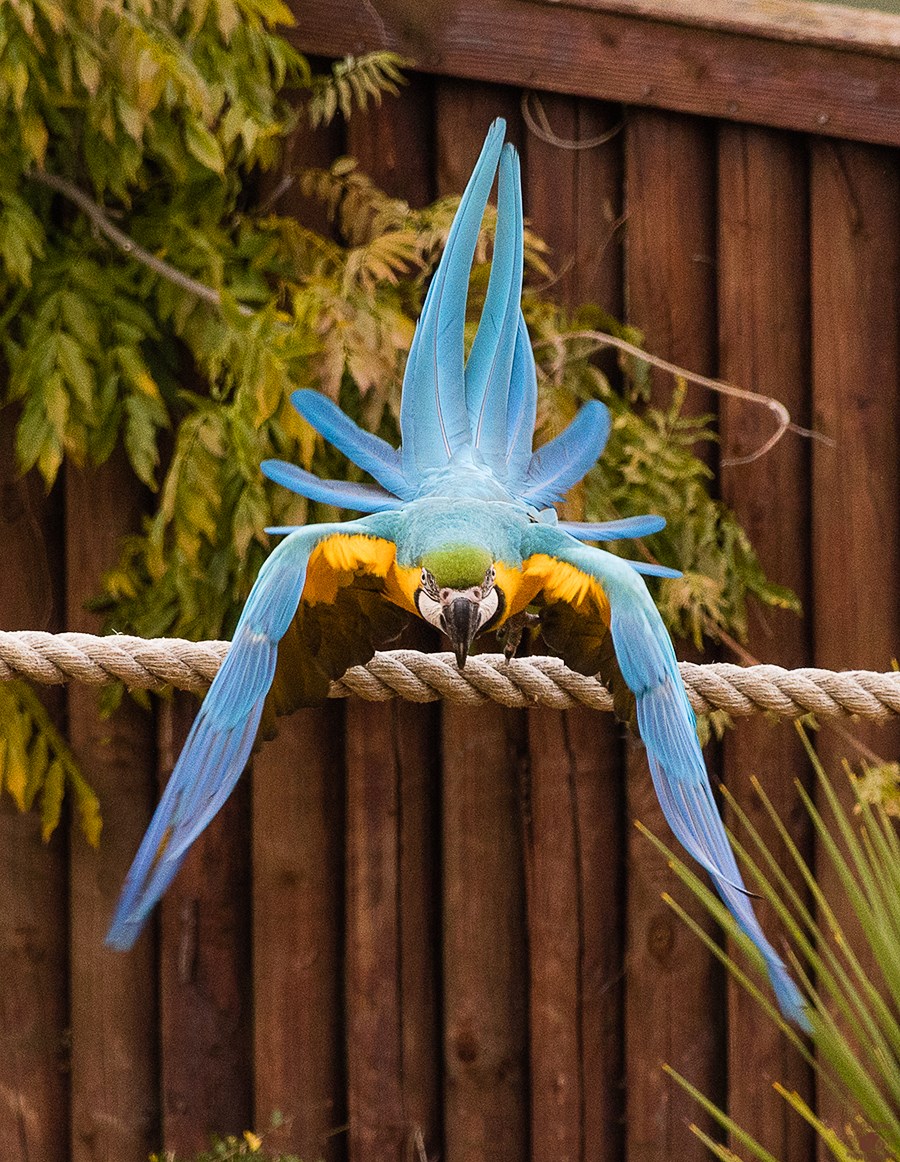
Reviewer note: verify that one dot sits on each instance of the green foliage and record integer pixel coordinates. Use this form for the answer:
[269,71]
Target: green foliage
[248,1145]
[850,970]
[36,765]
[353,83]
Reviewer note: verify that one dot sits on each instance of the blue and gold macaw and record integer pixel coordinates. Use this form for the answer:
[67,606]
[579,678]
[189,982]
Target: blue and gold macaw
[460,531]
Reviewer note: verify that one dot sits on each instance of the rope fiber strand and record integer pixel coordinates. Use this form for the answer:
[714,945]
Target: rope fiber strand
[154,663]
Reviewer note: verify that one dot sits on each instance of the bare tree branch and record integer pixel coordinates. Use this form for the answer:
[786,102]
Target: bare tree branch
[127,244]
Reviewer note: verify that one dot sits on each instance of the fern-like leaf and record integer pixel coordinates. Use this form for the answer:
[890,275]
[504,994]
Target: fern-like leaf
[353,83]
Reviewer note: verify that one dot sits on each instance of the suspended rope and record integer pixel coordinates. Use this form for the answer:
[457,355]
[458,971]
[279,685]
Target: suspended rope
[151,664]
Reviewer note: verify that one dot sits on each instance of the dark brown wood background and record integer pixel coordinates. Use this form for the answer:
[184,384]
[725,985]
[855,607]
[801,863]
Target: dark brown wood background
[437,927]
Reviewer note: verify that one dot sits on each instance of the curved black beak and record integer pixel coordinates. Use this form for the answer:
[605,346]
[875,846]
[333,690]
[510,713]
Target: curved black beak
[460,620]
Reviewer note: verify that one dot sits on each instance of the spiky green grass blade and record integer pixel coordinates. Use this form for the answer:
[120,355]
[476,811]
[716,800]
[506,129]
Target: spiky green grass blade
[737,1134]
[854,1013]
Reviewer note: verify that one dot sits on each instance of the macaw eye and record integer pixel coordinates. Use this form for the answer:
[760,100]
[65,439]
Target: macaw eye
[428,583]
[488,581]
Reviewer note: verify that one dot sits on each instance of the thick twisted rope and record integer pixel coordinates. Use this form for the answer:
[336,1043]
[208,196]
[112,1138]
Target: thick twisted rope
[537,681]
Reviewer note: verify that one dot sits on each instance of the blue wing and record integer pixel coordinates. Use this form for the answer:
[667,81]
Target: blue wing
[223,733]
[667,726]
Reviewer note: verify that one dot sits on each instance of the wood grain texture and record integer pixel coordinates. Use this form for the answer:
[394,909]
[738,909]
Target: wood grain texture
[394,142]
[855,253]
[675,998]
[573,198]
[393,1033]
[574,858]
[298,914]
[114,1017]
[799,21]
[574,853]
[485,970]
[613,57]
[205,998]
[34,1112]
[764,344]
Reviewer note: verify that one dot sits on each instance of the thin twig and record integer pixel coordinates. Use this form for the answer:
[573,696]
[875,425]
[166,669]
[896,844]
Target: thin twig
[541,129]
[127,244]
[782,415]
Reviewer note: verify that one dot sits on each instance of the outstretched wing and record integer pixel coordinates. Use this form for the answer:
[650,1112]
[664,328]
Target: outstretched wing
[321,592]
[600,617]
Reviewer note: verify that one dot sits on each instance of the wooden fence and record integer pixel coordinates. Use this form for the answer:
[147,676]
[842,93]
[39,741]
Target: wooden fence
[434,926]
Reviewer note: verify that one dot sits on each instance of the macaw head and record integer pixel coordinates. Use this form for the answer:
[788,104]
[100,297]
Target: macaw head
[458,594]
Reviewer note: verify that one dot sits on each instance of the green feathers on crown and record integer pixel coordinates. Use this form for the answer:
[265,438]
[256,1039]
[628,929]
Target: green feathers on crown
[458,566]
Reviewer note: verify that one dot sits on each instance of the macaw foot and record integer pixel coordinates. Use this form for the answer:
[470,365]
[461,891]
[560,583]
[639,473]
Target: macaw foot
[511,634]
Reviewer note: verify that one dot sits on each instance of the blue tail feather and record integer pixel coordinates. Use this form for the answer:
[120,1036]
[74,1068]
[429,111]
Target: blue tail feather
[358,497]
[623,529]
[490,363]
[556,466]
[433,418]
[521,406]
[368,452]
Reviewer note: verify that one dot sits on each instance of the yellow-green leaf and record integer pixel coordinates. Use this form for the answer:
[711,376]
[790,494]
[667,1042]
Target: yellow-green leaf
[51,799]
[16,768]
[88,809]
[204,147]
[88,69]
[78,372]
[34,135]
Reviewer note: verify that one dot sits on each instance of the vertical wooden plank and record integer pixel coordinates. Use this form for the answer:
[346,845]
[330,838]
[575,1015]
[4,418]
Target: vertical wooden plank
[575,859]
[392,1029]
[205,991]
[574,198]
[485,971]
[485,968]
[115,1101]
[675,993]
[575,835]
[34,1112]
[394,142]
[393,1037]
[764,345]
[298,909]
[855,255]
[306,148]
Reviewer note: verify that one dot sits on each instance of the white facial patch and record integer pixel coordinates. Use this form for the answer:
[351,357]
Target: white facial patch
[488,607]
[430,608]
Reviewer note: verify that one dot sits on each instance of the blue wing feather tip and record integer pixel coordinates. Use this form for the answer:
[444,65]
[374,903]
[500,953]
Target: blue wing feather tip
[121,937]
